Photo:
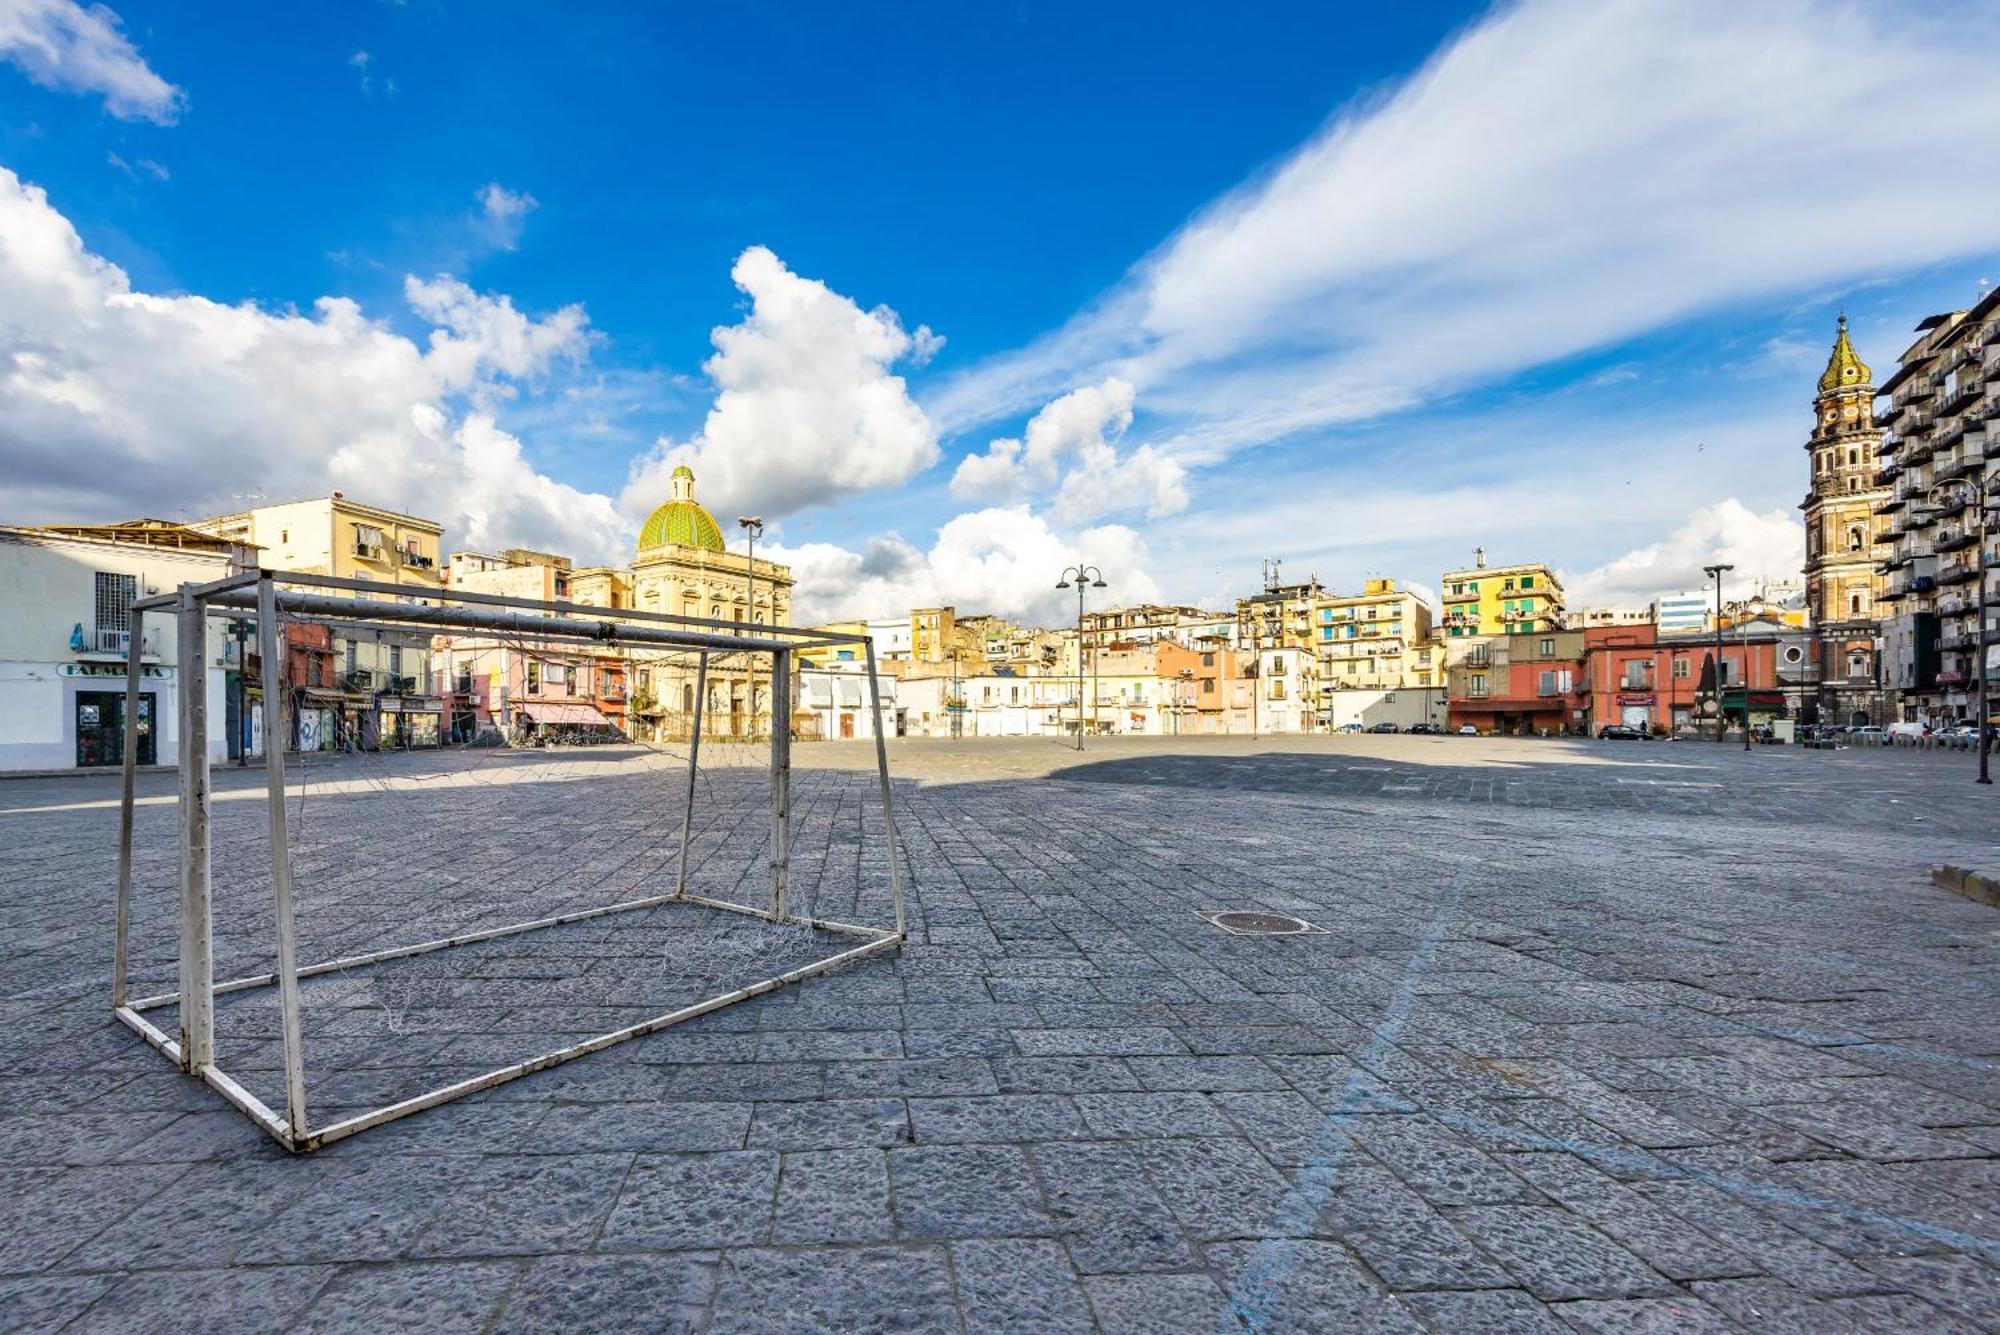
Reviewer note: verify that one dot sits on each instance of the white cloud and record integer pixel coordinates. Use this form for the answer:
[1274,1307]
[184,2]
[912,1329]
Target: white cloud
[806,407]
[1071,448]
[1565,175]
[504,212]
[62,45]
[481,337]
[116,402]
[1766,546]
[143,167]
[1003,560]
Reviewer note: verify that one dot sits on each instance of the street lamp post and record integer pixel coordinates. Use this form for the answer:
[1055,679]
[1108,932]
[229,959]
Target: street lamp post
[752,526]
[1715,572]
[1084,577]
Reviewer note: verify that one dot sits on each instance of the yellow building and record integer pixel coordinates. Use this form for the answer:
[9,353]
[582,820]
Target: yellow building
[1378,639]
[1500,600]
[381,692]
[331,535]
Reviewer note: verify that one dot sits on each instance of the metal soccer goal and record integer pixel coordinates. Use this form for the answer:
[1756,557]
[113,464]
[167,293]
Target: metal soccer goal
[680,835]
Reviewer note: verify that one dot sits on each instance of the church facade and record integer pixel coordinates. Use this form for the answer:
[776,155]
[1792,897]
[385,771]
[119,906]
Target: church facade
[683,568]
[1845,541]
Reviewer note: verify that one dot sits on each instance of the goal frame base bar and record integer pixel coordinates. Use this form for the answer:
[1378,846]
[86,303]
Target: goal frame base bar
[875,941]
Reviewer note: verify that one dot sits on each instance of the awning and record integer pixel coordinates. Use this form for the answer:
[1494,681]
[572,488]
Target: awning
[576,715]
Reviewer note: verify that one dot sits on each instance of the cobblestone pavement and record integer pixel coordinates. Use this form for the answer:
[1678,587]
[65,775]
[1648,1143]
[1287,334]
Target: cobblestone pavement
[1595,1036]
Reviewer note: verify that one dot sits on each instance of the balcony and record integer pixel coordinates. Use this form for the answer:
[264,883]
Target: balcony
[1958,573]
[1952,539]
[1962,390]
[1967,461]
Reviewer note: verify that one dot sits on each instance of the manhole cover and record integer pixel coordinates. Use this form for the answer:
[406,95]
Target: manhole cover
[1246,922]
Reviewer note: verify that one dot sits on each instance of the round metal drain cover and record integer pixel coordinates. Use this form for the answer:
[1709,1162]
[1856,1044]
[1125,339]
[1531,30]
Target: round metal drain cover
[1260,924]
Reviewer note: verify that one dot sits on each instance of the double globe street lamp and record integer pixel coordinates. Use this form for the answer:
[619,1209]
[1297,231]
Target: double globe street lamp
[1084,577]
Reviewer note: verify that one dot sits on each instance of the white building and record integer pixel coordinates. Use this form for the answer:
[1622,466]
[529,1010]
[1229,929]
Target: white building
[1684,613]
[892,638]
[65,599]
[1287,690]
[838,700]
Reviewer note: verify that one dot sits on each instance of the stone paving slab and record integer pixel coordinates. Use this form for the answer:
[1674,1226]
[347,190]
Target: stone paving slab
[1654,1037]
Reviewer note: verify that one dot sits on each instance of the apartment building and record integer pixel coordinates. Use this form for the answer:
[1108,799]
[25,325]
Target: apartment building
[380,693]
[1500,600]
[1519,684]
[1378,639]
[1941,419]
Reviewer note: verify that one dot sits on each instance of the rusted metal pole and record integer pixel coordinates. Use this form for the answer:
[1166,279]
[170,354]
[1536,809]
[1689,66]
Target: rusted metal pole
[882,774]
[122,930]
[694,759]
[270,646]
[781,785]
[197,963]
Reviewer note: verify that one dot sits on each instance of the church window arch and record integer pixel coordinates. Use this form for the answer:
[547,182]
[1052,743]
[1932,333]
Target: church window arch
[1854,538]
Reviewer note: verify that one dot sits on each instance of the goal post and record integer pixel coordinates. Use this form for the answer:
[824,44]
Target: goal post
[817,942]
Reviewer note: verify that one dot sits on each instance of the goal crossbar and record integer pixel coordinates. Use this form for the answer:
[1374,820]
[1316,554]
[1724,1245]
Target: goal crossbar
[271,594]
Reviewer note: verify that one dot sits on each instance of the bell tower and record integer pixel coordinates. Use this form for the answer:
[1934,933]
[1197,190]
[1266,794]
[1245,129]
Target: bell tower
[1844,542]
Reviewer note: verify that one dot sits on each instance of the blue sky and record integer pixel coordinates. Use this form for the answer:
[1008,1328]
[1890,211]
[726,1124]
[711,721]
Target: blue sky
[1356,288]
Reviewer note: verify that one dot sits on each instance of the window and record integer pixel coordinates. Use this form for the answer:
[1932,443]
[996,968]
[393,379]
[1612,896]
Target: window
[1507,587]
[534,677]
[1854,539]
[1548,647]
[1013,695]
[1636,672]
[1527,581]
[1476,686]
[114,598]
[368,541]
[1547,684]
[1681,670]
[1854,604]
[395,660]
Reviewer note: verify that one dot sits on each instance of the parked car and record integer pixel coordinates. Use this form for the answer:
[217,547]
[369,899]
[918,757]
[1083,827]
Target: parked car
[1385,727]
[1619,732]
[1426,729]
[1467,730]
[1878,735]
[1350,727]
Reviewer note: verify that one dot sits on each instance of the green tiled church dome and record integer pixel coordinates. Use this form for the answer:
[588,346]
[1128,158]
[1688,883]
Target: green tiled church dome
[681,522]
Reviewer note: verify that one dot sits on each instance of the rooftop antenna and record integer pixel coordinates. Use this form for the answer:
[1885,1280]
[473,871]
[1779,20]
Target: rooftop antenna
[1271,564]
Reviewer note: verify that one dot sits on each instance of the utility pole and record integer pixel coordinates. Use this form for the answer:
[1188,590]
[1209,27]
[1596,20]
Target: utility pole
[1715,572]
[1093,578]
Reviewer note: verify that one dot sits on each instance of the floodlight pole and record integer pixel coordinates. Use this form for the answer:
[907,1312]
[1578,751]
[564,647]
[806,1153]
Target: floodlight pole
[1715,572]
[1085,577]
